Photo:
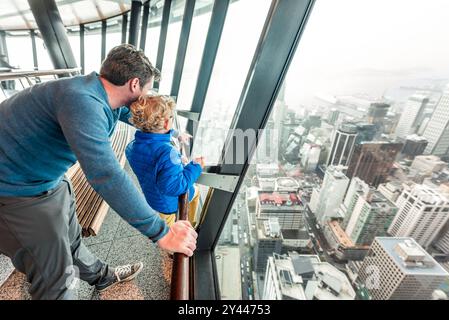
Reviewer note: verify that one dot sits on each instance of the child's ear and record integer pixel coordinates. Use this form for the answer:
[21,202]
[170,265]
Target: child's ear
[166,124]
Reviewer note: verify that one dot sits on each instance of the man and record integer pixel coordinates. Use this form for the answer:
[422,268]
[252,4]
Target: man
[43,131]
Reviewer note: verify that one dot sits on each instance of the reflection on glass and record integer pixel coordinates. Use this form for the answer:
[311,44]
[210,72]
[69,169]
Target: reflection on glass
[74,40]
[197,39]
[235,53]
[92,44]
[154,30]
[113,33]
[312,222]
[43,57]
[20,50]
[171,45]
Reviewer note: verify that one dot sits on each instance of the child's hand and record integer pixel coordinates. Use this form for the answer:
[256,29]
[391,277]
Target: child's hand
[184,160]
[200,161]
[184,138]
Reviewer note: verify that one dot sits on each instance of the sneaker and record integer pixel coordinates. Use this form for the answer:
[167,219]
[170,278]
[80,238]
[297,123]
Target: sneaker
[118,275]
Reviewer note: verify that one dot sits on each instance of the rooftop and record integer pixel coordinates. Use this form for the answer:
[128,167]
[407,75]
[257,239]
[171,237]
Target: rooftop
[306,277]
[410,257]
[278,200]
[341,235]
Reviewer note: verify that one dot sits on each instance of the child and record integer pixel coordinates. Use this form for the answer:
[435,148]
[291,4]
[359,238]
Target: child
[158,165]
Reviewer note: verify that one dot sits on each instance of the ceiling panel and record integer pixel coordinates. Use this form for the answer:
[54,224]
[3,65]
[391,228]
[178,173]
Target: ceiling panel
[16,14]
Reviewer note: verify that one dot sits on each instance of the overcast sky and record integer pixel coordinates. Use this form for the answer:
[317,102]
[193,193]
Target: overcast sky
[370,45]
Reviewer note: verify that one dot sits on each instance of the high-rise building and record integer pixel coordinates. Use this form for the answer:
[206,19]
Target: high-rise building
[365,132]
[268,241]
[443,239]
[377,111]
[332,193]
[370,218]
[310,156]
[304,277]
[422,213]
[437,130]
[343,142]
[333,115]
[400,269]
[412,115]
[356,187]
[414,145]
[286,206]
[372,161]
[428,164]
[391,190]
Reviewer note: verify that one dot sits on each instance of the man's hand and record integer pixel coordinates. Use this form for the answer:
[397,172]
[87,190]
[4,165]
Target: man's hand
[180,238]
[200,161]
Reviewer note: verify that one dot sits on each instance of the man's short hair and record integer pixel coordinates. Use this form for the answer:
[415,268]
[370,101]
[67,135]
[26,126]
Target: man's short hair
[125,62]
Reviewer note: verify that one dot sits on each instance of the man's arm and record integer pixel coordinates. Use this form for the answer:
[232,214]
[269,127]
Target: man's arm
[85,127]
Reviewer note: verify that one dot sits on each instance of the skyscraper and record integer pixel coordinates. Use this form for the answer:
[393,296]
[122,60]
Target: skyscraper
[412,115]
[443,239]
[268,241]
[331,194]
[422,213]
[399,269]
[372,161]
[342,145]
[370,218]
[377,111]
[414,145]
[437,130]
[356,187]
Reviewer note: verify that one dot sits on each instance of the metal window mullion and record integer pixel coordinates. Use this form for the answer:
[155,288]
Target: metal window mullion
[134,22]
[54,33]
[280,37]
[124,27]
[163,37]
[33,47]
[104,27]
[3,46]
[217,21]
[82,60]
[143,29]
[182,47]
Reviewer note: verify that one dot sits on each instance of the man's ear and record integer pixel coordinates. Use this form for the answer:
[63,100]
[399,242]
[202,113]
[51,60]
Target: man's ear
[134,85]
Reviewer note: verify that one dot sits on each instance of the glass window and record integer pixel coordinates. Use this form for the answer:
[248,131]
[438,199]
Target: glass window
[171,45]
[197,39]
[43,57]
[92,45]
[73,33]
[113,33]
[20,52]
[349,67]
[154,30]
[235,53]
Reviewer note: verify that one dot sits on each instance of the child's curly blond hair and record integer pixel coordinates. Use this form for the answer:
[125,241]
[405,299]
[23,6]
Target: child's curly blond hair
[150,112]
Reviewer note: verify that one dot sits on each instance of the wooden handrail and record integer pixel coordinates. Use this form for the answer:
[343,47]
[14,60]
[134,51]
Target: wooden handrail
[180,273]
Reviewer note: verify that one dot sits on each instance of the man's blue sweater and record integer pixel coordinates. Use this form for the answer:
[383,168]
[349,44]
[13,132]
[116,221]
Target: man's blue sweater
[161,174]
[44,129]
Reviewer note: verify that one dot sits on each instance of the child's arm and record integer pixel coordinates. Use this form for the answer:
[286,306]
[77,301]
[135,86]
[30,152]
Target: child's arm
[173,178]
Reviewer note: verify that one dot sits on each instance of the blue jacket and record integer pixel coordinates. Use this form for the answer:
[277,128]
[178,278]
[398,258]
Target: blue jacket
[161,174]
